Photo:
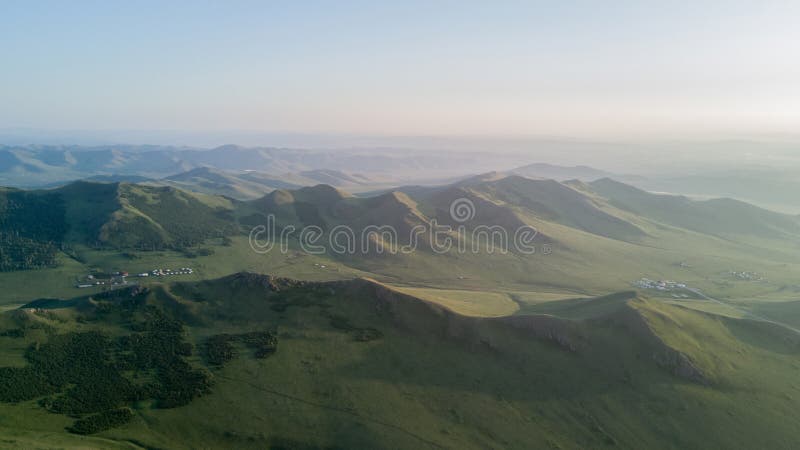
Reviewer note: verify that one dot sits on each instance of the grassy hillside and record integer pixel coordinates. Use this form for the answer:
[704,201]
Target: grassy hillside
[595,247]
[468,303]
[423,350]
[115,215]
[357,364]
[719,217]
[169,218]
[553,201]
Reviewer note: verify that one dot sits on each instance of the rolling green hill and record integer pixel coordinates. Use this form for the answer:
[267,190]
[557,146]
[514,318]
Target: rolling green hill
[719,217]
[124,215]
[454,350]
[166,217]
[552,201]
[36,224]
[356,364]
[597,242]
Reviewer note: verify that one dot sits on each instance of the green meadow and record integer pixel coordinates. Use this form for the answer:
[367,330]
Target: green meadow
[556,349]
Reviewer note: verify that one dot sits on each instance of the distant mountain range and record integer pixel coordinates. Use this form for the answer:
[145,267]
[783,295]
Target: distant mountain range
[30,166]
[247,173]
[560,173]
[241,185]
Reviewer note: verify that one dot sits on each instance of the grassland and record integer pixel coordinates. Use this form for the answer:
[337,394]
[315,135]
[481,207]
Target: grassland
[455,350]
[429,380]
[636,239]
[467,303]
[22,286]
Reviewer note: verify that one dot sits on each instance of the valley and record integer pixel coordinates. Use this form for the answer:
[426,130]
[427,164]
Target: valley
[399,225]
[549,349]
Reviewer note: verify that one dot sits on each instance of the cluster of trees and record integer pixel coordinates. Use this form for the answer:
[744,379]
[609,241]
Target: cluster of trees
[264,343]
[160,347]
[102,421]
[88,374]
[219,348]
[32,228]
[35,215]
[22,253]
[18,384]
[79,366]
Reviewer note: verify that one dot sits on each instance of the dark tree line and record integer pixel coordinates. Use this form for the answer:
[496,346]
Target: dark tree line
[32,229]
[92,376]
[219,349]
[102,421]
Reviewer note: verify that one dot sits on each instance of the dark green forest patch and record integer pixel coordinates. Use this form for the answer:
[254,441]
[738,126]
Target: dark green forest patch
[94,377]
[220,348]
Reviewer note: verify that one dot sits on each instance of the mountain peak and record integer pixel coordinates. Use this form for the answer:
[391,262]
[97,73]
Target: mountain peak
[320,194]
[227,147]
[560,173]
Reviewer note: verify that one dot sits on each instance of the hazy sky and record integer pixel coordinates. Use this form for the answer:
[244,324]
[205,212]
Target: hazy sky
[594,68]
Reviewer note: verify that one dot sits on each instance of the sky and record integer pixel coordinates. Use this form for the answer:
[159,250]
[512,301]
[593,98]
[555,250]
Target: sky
[568,69]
